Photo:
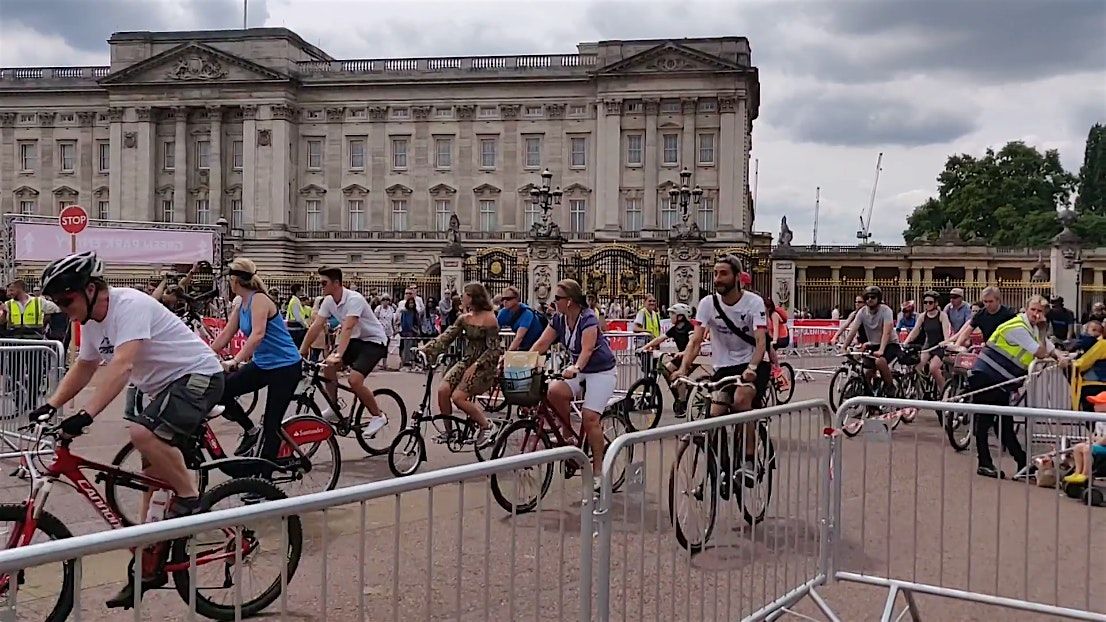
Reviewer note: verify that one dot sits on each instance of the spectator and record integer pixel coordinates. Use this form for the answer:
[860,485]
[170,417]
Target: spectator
[593,304]
[615,311]
[454,309]
[387,313]
[907,318]
[412,294]
[1060,319]
[836,313]
[294,316]
[1092,364]
[1098,313]
[648,320]
[433,317]
[408,331]
[1092,453]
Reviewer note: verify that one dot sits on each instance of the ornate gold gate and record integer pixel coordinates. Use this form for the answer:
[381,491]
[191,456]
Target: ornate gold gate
[757,264]
[619,272]
[497,268]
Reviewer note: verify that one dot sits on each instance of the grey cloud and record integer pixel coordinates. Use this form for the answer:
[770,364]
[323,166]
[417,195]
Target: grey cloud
[858,120]
[1086,114]
[86,24]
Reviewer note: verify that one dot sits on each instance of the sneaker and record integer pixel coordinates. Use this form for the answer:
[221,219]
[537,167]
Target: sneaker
[124,598]
[1075,478]
[747,473]
[247,441]
[375,425]
[987,471]
[486,436]
[330,416]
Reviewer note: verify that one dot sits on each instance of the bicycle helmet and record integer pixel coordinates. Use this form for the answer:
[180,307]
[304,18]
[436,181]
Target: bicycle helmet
[72,274]
[873,290]
[908,306]
[681,309]
[746,279]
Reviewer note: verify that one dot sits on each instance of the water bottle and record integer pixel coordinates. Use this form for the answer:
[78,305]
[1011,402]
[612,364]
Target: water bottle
[159,502]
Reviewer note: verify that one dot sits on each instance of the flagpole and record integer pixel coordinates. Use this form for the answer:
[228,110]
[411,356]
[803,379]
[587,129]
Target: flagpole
[244,11]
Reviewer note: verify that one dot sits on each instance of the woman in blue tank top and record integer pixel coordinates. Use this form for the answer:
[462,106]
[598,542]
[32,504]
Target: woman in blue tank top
[269,359]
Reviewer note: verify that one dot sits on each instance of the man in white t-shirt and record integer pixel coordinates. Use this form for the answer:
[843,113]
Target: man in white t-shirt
[737,322]
[144,343]
[362,344]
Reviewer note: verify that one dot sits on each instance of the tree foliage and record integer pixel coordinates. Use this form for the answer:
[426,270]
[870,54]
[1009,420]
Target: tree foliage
[1006,198]
[1092,176]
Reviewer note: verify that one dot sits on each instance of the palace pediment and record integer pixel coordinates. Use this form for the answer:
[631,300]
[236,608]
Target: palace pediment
[670,57]
[193,63]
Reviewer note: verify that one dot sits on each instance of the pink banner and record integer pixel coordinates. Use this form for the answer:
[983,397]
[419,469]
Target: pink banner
[40,242]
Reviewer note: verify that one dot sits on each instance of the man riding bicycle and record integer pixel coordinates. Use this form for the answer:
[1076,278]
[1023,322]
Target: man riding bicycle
[878,322]
[144,343]
[738,323]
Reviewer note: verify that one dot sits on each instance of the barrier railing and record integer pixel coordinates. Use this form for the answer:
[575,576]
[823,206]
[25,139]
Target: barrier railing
[408,565]
[676,544]
[914,518]
[30,370]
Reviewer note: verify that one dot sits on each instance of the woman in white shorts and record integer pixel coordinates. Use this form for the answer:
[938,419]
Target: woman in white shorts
[576,327]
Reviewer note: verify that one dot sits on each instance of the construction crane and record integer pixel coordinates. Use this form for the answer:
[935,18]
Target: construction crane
[864,233]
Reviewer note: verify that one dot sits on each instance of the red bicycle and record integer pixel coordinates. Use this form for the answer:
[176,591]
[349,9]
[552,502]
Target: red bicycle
[203,566]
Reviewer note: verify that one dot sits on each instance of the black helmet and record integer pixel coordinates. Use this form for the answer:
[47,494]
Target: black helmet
[929,293]
[71,273]
[873,290]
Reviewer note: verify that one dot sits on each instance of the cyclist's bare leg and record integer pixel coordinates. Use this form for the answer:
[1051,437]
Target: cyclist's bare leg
[560,398]
[591,430]
[363,393]
[330,372]
[885,372]
[936,369]
[166,462]
[464,402]
[445,403]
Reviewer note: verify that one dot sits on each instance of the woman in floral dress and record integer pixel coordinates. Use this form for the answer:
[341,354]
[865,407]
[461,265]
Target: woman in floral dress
[476,372]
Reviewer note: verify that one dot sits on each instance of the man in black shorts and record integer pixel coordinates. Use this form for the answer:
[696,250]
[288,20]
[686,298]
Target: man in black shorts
[878,322]
[361,345]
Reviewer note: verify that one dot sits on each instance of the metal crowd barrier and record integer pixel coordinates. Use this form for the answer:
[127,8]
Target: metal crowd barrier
[662,553]
[30,370]
[625,346]
[430,546]
[916,519]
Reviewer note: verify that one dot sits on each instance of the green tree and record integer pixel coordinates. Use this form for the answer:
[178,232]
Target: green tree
[1006,198]
[1092,176]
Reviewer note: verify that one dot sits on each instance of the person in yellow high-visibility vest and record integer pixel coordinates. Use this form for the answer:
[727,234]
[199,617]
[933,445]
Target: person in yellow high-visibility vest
[294,316]
[648,319]
[23,314]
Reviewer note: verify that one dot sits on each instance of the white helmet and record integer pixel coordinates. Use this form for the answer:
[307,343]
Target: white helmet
[680,309]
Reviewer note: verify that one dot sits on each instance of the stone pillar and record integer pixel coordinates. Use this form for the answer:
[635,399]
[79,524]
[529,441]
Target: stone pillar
[453,271]
[281,175]
[927,274]
[869,274]
[144,164]
[215,165]
[684,261]
[544,269]
[1065,278]
[687,141]
[783,281]
[835,274]
[608,164]
[650,165]
[731,158]
[249,163]
[180,164]
[115,180]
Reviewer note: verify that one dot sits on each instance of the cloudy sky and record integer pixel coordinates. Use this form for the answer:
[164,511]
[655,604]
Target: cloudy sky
[841,80]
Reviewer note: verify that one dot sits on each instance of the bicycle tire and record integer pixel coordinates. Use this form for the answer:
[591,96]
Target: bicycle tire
[260,489]
[610,423]
[646,408]
[53,528]
[854,387]
[707,493]
[953,421]
[910,388]
[112,497]
[784,397]
[838,379]
[408,442]
[532,440]
[764,462]
[381,435]
[310,449]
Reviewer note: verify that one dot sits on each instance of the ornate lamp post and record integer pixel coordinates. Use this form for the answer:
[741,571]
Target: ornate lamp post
[684,196]
[546,197]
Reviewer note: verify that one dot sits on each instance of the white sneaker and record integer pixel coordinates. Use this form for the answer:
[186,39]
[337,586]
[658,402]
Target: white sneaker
[329,415]
[375,425]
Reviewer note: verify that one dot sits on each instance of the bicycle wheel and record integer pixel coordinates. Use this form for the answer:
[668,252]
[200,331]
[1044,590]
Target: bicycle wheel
[853,417]
[518,492]
[395,414]
[613,426]
[125,499]
[318,442]
[788,373]
[643,405]
[259,549]
[42,592]
[693,493]
[407,453]
[492,401]
[754,500]
[910,388]
[958,425]
[837,385]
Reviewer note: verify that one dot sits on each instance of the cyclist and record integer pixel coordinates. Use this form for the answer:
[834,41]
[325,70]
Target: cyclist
[738,323]
[934,329]
[988,319]
[145,343]
[859,304]
[475,373]
[519,318]
[680,333]
[269,359]
[958,312]
[907,317]
[361,344]
[576,327]
[878,322]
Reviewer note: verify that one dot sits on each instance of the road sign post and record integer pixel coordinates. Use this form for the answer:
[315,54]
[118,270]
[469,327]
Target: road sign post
[73,220]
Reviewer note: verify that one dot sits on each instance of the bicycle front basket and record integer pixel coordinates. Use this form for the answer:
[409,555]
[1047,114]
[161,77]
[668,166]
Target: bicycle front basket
[523,387]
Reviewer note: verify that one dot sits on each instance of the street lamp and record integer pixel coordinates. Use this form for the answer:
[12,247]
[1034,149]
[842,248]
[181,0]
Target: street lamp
[685,196]
[545,197]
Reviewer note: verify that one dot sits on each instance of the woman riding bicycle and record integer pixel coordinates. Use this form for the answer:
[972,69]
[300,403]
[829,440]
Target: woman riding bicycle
[477,371]
[680,333]
[576,327]
[269,359]
[934,329]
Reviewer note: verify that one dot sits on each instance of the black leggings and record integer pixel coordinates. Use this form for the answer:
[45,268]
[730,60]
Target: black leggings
[281,383]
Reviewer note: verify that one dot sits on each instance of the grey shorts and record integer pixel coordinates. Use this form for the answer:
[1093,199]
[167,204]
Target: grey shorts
[176,413]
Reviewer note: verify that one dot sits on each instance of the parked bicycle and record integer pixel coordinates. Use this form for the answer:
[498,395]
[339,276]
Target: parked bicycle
[217,560]
[704,471]
[375,443]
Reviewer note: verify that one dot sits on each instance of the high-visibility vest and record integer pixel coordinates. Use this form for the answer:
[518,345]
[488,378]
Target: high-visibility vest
[652,322]
[294,303]
[29,316]
[1008,359]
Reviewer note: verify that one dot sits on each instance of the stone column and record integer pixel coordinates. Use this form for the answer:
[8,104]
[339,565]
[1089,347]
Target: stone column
[608,163]
[835,274]
[249,163]
[144,163]
[783,279]
[687,140]
[544,268]
[215,165]
[927,274]
[731,156]
[281,173]
[87,161]
[115,180]
[180,165]
[1064,271]
[650,163]
[8,173]
[453,270]
[869,274]
[684,257]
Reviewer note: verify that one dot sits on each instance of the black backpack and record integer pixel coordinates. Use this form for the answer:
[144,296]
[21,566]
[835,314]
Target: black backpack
[542,320]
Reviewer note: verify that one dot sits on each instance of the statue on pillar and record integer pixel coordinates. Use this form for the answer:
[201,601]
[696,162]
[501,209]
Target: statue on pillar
[453,233]
[786,235]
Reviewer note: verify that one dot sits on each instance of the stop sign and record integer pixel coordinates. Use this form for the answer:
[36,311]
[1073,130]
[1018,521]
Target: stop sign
[73,219]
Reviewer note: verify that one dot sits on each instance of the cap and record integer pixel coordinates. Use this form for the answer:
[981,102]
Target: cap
[956,291]
[1097,399]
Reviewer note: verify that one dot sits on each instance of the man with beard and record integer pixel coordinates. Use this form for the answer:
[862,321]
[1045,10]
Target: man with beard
[878,322]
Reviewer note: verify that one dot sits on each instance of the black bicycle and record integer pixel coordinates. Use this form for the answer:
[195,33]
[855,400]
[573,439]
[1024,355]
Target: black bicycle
[408,449]
[857,384]
[374,438]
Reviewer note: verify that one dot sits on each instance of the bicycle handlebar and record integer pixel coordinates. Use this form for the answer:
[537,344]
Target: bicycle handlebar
[715,385]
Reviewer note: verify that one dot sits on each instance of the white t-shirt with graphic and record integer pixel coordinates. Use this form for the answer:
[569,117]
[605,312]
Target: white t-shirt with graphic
[368,326]
[726,348]
[170,352]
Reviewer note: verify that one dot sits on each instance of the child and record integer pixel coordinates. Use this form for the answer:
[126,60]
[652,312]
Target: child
[1093,452]
[680,332]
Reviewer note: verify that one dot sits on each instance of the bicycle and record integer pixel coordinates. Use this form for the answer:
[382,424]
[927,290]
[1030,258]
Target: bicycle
[228,551]
[856,384]
[391,406]
[644,403]
[455,433]
[705,451]
[539,427]
[305,440]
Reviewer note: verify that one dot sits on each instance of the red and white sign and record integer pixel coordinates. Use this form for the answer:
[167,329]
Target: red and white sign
[159,247]
[73,219]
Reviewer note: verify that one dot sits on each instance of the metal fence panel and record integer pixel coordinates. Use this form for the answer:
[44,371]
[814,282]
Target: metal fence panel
[30,371]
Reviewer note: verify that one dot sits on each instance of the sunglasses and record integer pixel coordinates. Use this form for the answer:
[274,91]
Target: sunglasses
[559,298]
[506,298]
[955,296]
[64,300]
[871,297]
[859,301]
[930,302]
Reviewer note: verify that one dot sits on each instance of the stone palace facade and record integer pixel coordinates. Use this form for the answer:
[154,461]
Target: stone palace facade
[361,163]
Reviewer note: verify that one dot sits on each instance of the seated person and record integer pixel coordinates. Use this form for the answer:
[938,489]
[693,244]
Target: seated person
[1092,364]
[1090,457]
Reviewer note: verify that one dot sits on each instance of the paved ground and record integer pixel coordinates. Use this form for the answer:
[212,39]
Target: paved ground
[912,509]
